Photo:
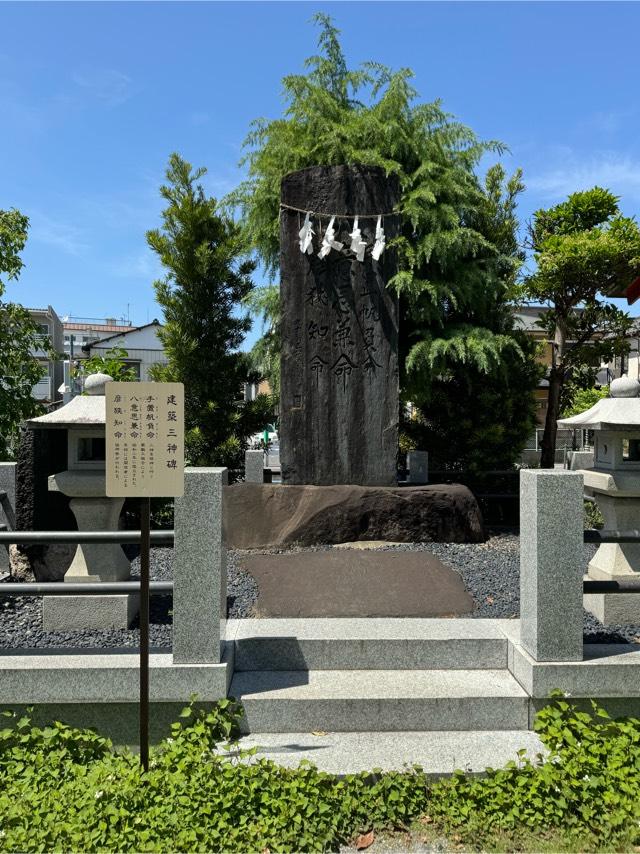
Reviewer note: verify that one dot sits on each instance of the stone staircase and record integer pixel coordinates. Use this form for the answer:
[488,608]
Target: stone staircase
[379,692]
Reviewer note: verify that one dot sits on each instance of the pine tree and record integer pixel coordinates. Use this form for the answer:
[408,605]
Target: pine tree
[583,248]
[207,279]
[457,250]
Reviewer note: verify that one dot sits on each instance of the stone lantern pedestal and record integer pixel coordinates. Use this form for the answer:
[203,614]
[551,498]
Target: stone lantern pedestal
[84,481]
[614,481]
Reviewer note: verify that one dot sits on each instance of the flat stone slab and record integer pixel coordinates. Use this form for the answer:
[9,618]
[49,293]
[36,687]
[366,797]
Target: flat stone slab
[438,753]
[351,583]
[375,700]
[84,676]
[374,643]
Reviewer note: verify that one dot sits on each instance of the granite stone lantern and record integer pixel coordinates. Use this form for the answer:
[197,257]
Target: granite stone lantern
[84,481]
[614,481]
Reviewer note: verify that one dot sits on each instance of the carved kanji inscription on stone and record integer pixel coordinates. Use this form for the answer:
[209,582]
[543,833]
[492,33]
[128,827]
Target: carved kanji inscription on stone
[339,366]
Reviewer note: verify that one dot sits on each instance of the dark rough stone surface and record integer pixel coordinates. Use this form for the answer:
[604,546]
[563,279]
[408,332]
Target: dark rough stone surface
[258,515]
[40,454]
[339,363]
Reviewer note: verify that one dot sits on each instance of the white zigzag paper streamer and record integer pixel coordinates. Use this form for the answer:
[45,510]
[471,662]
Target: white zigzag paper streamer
[378,246]
[358,245]
[329,241]
[306,235]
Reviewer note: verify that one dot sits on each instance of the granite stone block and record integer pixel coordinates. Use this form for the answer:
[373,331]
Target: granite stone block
[254,466]
[362,700]
[200,574]
[80,613]
[418,465]
[39,677]
[551,558]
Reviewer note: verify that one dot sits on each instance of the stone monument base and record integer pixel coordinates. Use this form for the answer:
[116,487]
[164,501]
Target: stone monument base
[78,613]
[261,515]
[613,609]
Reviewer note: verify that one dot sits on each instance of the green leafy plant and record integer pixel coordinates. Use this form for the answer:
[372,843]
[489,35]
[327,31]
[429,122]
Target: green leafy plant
[68,789]
[113,363]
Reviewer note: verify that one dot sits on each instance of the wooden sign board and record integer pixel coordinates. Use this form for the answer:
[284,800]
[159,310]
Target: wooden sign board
[145,439]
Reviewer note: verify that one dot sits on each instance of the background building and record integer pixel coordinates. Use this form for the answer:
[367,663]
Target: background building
[49,327]
[142,344]
[79,331]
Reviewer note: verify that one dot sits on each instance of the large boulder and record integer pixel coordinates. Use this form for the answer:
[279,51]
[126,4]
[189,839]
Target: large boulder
[258,515]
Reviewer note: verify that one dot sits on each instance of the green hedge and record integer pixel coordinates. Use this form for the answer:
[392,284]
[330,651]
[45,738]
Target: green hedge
[67,789]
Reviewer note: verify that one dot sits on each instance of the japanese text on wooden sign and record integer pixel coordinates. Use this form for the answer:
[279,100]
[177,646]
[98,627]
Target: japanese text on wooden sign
[145,439]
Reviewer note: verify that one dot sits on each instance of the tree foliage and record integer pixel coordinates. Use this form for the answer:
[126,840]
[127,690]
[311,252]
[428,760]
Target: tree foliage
[583,399]
[19,338]
[113,363]
[583,248]
[264,357]
[457,248]
[206,281]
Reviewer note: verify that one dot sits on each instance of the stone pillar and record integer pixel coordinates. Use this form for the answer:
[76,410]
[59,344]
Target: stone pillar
[339,363]
[8,485]
[418,465]
[254,466]
[551,564]
[200,569]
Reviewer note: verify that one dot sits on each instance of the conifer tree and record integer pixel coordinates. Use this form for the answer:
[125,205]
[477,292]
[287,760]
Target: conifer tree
[207,279]
[458,253]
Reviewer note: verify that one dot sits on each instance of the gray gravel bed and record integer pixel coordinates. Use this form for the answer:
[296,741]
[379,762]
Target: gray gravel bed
[490,572]
[21,616]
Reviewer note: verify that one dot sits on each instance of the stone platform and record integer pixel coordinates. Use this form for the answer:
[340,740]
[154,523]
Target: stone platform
[260,515]
[348,582]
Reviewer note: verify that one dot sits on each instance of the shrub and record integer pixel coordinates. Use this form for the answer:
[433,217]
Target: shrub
[69,789]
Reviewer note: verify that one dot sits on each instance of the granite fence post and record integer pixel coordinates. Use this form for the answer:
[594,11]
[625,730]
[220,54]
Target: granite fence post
[254,466]
[200,569]
[551,564]
[418,465]
[8,485]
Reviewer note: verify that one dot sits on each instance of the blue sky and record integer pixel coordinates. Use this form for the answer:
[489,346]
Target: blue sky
[95,96]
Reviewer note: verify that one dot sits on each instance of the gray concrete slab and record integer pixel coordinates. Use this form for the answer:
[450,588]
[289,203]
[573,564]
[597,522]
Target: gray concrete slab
[365,700]
[109,677]
[606,671]
[437,753]
[371,643]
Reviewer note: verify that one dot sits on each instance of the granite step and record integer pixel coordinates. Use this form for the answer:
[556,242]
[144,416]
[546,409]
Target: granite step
[438,753]
[368,644]
[380,700]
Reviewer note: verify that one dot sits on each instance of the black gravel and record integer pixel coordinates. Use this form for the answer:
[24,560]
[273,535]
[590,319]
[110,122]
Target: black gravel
[21,616]
[490,572]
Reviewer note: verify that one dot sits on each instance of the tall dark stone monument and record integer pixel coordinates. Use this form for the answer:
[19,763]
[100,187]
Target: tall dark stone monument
[339,364]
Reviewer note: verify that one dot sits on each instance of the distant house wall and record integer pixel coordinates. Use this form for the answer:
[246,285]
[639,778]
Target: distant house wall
[46,390]
[143,346]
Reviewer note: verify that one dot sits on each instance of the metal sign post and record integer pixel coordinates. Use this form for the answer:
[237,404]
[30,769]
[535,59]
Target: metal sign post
[144,459]
[145,554]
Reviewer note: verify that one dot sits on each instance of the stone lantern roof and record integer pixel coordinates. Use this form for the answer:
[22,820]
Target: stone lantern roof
[85,410]
[620,412]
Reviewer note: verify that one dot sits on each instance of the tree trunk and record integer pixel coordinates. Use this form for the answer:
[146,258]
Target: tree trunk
[548,456]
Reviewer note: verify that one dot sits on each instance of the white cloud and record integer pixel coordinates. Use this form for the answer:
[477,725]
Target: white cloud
[64,236]
[617,172]
[105,85]
[138,265]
